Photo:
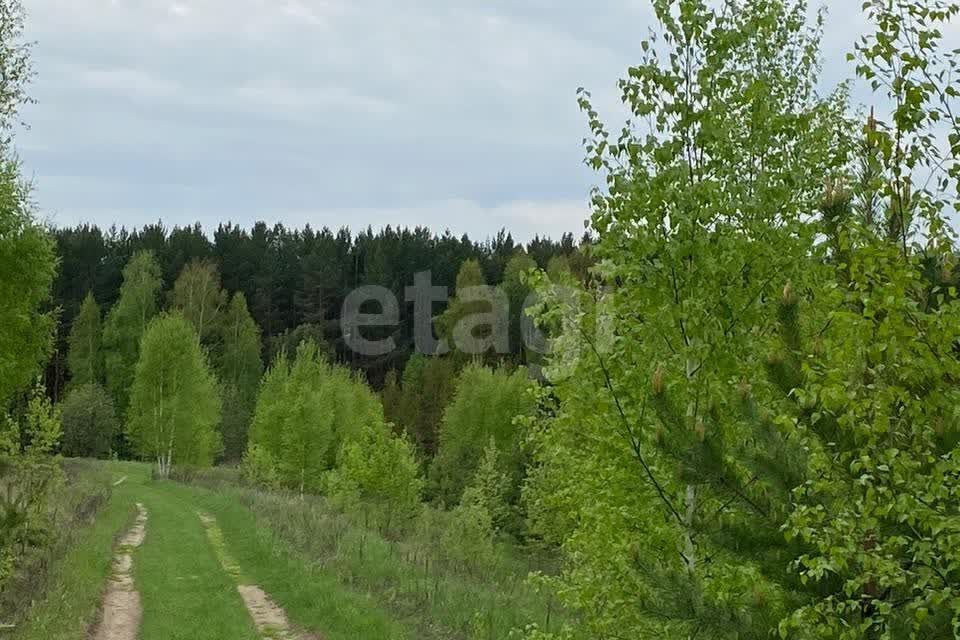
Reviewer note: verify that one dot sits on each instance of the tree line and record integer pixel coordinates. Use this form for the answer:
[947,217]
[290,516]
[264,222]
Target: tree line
[746,425]
[293,280]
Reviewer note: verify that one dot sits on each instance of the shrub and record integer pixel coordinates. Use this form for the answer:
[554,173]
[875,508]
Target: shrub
[89,422]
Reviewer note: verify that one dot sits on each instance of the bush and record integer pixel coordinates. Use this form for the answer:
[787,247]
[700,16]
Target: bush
[89,422]
[380,469]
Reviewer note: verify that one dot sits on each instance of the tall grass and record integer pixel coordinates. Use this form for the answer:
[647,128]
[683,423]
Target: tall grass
[86,490]
[420,575]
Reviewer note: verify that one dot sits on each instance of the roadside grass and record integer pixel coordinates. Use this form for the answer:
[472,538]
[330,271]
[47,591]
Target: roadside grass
[333,576]
[72,594]
[436,596]
[313,599]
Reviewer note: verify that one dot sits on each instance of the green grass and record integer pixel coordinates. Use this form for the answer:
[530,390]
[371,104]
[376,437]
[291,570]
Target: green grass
[73,594]
[412,578]
[312,598]
[333,576]
[186,593]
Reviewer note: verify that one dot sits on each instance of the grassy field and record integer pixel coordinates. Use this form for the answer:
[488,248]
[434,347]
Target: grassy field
[333,577]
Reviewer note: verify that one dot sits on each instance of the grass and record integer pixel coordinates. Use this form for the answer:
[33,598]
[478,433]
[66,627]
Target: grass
[72,594]
[313,599]
[332,575]
[412,577]
[185,592]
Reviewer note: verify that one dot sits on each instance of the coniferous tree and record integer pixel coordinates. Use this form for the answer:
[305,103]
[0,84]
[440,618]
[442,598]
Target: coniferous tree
[240,369]
[174,400]
[85,356]
[126,322]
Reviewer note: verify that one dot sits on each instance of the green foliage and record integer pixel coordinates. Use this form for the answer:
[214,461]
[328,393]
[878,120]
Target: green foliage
[85,357]
[379,469]
[485,406]
[306,410]
[260,468]
[489,488]
[516,290]
[665,492]
[460,323]
[417,404]
[240,369]
[30,475]
[126,322]
[287,343]
[198,296]
[89,422]
[174,401]
[27,266]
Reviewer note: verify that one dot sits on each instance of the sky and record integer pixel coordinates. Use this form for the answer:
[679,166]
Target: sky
[453,114]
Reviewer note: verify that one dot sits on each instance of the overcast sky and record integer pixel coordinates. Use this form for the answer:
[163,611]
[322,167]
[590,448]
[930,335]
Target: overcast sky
[454,114]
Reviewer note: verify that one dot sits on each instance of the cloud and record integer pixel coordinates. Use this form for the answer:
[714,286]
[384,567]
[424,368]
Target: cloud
[455,113]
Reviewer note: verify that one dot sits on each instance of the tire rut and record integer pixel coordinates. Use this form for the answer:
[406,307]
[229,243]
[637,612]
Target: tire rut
[121,610]
[268,617]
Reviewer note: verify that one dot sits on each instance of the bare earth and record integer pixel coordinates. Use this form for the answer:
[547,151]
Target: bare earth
[121,610]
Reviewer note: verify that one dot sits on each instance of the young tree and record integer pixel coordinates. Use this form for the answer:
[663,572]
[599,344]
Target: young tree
[379,469]
[27,259]
[30,475]
[485,406]
[89,422]
[306,410]
[667,494]
[240,369]
[126,322]
[515,291]
[85,358]
[198,296]
[174,399]
[490,488]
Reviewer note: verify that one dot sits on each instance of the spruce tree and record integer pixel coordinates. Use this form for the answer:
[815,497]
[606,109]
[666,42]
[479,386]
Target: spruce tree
[239,368]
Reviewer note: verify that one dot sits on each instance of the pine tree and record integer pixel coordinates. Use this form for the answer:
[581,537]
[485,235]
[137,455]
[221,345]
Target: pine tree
[85,357]
[174,400]
[126,322]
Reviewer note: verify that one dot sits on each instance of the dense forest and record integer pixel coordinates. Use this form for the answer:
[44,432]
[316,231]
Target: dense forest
[292,280]
[745,426]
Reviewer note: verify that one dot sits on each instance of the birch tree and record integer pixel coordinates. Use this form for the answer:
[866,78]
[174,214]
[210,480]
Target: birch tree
[174,401]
